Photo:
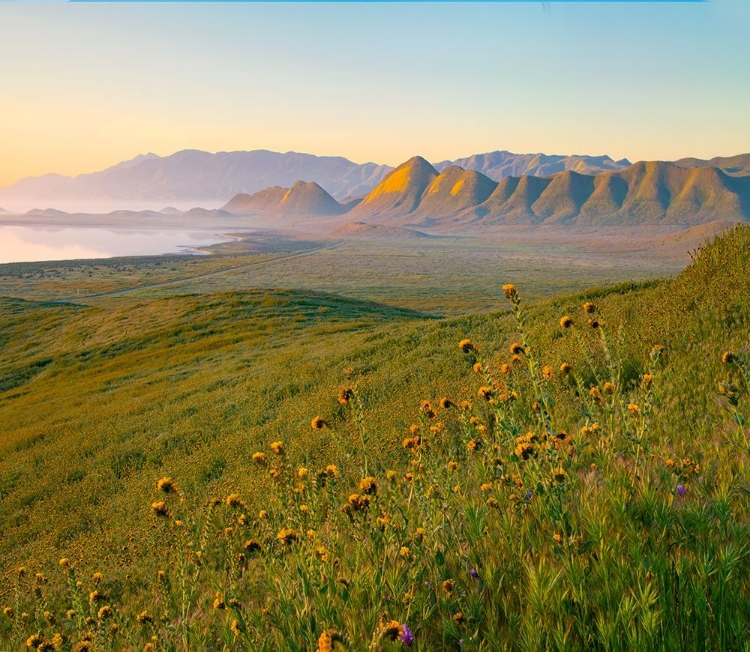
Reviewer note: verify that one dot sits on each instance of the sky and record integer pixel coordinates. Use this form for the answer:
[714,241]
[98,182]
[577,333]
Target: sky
[84,86]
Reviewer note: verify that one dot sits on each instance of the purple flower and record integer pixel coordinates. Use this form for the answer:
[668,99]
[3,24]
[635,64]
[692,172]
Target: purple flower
[529,495]
[407,636]
[474,574]
[681,491]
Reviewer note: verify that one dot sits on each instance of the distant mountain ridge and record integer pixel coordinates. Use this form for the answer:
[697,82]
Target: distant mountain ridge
[486,189]
[500,164]
[194,175]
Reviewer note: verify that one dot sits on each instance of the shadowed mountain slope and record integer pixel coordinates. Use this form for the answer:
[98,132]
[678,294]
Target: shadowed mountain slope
[453,191]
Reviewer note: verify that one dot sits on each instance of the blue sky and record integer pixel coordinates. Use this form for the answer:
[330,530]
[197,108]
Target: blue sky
[85,86]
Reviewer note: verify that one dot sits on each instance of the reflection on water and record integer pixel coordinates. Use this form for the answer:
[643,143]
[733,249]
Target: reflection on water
[35,243]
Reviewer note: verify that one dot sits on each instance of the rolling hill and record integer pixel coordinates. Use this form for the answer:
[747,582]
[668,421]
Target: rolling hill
[365,230]
[301,200]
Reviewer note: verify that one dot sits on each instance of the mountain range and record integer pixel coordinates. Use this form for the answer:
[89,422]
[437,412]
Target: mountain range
[417,194]
[203,177]
[493,188]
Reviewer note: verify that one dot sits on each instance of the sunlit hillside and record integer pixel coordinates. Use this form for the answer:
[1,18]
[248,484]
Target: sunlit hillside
[277,469]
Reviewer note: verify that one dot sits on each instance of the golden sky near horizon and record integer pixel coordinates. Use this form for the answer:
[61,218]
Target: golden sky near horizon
[89,86]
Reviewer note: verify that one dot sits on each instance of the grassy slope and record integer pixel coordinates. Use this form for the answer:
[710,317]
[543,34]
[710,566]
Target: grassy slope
[99,402]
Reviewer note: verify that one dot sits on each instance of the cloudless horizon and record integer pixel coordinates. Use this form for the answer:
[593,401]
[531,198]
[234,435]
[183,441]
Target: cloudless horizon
[87,86]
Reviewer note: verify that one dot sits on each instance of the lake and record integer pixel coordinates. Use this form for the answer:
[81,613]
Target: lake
[22,244]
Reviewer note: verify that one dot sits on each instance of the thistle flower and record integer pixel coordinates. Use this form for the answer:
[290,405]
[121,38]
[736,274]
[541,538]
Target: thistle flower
[64,563]
[589,307]
[260,458]
[426,408]
[467,346]
[566,322]
[647,381]
[144,617]
[345,395]
[458,618]
[477,368]
[681,491]
[369,485]
[525,450]
[253,545]
[510,291]
[516,349]
[391,630]
[160,508]
[318,423]
[277,447]
[167,485]
[302,472]
[234,500]
[559,474]
[287,536]
[485,393]
[330,640]
[104,612]
[332,470]
[609,388]
[728,357]
[594,323]
[590,429]
[446,403]
[34,641]
[449,586]
[412,443]
[633,409]
[407,636]
[565,368]
[473,572]
[96,596]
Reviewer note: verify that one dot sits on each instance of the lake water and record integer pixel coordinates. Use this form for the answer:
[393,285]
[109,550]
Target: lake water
[36,243]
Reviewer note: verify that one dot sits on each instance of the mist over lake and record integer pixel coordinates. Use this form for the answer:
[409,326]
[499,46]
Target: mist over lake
[40,243]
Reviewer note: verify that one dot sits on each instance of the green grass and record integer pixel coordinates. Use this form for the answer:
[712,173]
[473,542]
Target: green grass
[440,276]
[101,401]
